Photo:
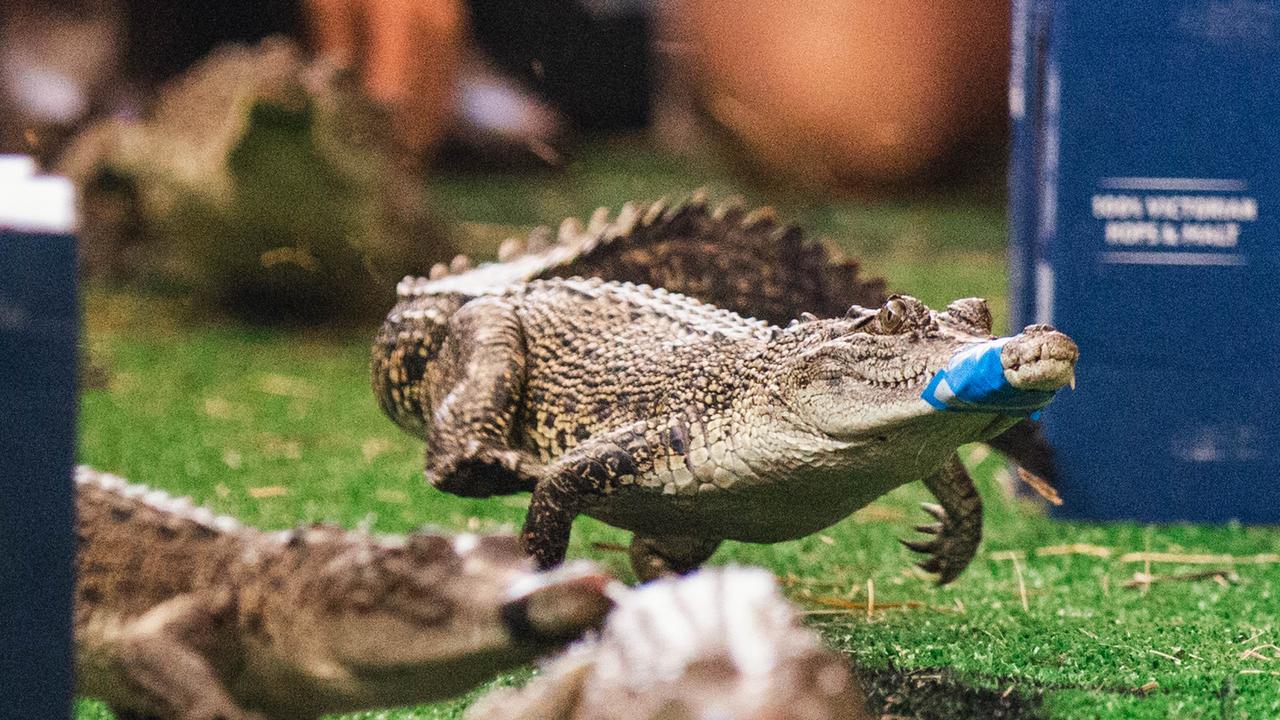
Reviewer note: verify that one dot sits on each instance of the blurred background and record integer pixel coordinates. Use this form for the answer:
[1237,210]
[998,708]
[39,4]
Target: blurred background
[287,160]
[283,163]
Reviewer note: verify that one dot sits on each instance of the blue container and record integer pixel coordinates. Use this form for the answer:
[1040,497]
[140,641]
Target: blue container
[38,329]
[1145,222]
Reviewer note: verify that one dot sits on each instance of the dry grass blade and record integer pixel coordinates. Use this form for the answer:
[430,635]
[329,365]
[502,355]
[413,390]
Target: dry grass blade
[1022,585]
[1256,653]
[1008,555]
[1223,577]
[1075,549]
[1201,559]
[842,604]
[268,491]
[871,598]
[1040,485]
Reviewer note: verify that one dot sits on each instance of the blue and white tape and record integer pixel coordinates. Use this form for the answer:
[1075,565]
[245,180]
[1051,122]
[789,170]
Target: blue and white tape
[974,381]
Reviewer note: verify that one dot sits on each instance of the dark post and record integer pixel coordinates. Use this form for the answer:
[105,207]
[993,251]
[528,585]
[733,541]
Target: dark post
[1145,223]
[38,350]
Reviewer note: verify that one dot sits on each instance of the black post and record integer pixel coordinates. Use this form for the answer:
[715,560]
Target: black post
[38,351]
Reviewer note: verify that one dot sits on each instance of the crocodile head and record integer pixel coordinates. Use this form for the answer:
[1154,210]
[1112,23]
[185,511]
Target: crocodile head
[903,364]
[397,621]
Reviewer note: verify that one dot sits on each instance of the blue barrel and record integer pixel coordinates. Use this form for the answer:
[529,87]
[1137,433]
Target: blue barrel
[38,349]
[1145,223]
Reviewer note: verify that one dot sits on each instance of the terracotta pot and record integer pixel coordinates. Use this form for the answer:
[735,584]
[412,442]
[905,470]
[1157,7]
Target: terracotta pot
[842,92]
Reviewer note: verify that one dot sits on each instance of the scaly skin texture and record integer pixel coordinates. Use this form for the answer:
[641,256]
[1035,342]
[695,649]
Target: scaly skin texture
[722,643]
[683,422]
[182,614]
[745,261]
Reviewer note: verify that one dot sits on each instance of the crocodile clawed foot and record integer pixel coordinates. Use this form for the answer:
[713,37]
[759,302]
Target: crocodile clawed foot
[949,550]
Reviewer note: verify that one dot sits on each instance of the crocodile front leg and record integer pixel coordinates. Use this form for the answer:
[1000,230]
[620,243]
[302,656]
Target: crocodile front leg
[959,526]
[593,469]
[476,387]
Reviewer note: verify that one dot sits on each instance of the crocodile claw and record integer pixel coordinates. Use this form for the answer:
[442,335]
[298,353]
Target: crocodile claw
[932,565]
[948,546]
[935,510]
[920,546]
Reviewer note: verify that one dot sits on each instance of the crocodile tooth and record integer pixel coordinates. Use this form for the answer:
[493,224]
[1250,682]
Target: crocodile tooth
[438,271]
[459,263]
[807,317]
[511,248]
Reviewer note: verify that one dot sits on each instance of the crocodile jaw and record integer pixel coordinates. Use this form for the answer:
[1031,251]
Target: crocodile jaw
[1040,358]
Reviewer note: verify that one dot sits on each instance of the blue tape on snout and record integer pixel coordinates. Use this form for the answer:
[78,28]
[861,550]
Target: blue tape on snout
[974,381]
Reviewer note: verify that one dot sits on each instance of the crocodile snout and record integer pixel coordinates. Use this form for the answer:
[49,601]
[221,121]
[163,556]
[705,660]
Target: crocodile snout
[1040,358]
[556,606]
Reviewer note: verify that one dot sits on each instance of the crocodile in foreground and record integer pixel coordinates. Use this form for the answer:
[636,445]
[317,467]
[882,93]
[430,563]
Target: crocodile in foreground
[684,422]
[183,614]
[722,643]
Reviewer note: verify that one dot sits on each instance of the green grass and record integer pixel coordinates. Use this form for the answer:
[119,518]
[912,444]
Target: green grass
[217,411]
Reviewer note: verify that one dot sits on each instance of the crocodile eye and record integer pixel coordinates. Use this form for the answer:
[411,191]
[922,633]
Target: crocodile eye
[892,315]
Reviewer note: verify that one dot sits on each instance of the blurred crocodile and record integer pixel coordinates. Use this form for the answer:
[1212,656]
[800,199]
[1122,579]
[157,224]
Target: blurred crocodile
[187,615]
[722,643]
[686,423]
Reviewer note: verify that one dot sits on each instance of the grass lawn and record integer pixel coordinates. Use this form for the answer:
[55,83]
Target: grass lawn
[279,427]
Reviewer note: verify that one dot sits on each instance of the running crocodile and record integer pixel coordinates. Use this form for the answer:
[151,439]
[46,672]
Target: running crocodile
[182,614]
[684,422]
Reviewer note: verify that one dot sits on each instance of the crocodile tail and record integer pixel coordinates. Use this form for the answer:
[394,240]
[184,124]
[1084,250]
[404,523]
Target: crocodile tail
[748,262]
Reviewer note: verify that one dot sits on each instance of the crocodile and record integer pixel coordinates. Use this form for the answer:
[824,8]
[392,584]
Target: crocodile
[747,260]
[720,643]
[683,422]
[184,614]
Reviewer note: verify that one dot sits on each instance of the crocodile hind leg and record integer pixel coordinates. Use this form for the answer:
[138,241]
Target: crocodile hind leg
[652,557]
[476,388]
[959,527]
[596,467]
[162,661]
